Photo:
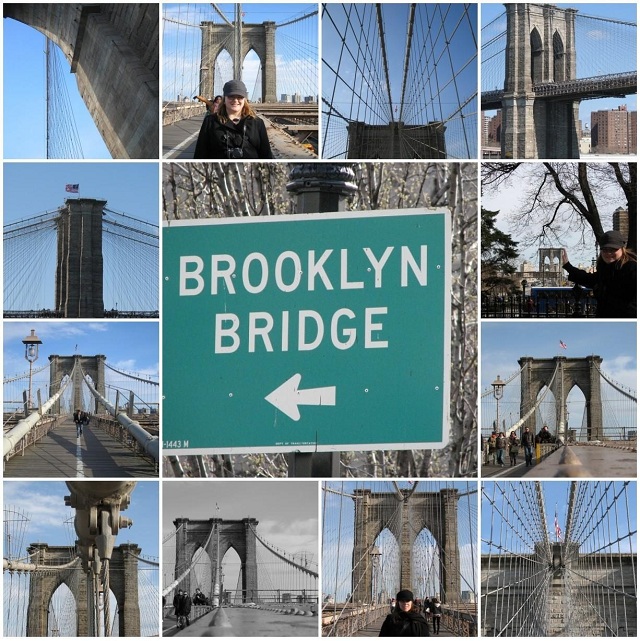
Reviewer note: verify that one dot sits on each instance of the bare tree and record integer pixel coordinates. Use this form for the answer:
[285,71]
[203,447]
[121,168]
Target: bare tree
[204,190]
[558,198]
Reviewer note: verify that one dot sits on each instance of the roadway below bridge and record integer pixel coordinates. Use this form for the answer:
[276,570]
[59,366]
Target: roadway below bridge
[245,621]
[575,461]
[63,454]
[179,139]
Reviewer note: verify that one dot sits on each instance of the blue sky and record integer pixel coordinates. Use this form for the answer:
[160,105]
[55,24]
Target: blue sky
[43,501]
[618,11]
[33,188]
[24,98]
[503,343]
[296,47]
[132,346]
[556,497]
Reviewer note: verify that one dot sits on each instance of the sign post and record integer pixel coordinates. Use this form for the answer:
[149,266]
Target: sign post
[310,333]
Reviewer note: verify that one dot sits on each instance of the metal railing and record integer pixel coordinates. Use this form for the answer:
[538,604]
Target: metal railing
[551,305]
[345,623]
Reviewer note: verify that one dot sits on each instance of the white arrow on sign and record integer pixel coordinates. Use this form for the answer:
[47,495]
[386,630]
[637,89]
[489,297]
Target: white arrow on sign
[287,397]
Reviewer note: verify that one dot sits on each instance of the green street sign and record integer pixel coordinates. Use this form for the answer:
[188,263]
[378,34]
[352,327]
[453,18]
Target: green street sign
[312,332]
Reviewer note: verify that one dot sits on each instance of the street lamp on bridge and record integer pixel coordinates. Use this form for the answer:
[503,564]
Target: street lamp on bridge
[31,344]
[498,391]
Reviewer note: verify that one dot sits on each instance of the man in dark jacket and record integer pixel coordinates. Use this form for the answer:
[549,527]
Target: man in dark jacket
[528,443]
[184,606]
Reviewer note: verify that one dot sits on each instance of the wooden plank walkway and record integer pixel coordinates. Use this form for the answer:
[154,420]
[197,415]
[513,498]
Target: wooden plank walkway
[93,455]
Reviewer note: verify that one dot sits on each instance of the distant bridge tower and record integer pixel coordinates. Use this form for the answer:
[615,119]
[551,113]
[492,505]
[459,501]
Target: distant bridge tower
[259,37]
[79,265]
[239,535]
[123,581]
[540,49]
[62,366]
[580,372]
[436,511]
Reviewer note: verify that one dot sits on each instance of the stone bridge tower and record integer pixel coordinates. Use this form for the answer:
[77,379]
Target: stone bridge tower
[260,38]
[436,511]
[581,372]
[79,263]
[113,50]
[239,535]
[123,581]
[540,49]
[62,366]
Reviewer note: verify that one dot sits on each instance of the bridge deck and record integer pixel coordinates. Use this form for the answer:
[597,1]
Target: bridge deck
[62,454]
[592,461]
[179,141]
[244,622]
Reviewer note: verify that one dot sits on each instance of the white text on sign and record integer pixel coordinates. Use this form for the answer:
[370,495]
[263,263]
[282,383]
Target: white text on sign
[265,331]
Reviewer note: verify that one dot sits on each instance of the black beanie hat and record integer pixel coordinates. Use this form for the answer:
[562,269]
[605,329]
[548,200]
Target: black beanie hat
[404,595]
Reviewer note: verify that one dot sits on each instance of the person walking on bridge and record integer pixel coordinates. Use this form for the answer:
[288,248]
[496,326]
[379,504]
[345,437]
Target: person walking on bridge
[406,620]
[78,420]
[527,444]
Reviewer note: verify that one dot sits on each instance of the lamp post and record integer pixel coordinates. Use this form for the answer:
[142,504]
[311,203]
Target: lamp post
[498,391]
[31,344]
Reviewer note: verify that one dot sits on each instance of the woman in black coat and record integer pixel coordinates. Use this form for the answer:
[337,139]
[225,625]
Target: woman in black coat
[234,132]
[406,620]
[615,280]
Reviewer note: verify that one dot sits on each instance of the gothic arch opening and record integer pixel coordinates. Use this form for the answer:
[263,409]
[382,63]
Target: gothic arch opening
[576,411]
[537,69]
[546,414]
[558,58]
[385,561]
[231,577]
[426,565]
[223,71]
[202,574]
[252,75]
[62,620]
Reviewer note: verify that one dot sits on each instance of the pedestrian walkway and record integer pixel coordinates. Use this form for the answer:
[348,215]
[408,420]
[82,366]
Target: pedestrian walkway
[93,455]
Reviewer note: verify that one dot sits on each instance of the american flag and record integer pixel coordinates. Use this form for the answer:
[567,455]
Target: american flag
[563,345]
[557,527]
[72,189]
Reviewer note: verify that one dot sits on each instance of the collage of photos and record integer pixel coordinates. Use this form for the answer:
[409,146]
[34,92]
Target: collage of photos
[319,319]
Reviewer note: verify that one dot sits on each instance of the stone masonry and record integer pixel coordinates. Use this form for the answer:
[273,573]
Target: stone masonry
[435,511]
[580,372]
[257,37]
[123,579]
[114,51]
[540,49]
[237,534]
[80,263]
